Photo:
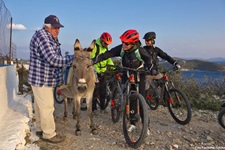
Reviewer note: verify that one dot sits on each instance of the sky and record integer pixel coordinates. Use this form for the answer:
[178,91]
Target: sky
[185,29]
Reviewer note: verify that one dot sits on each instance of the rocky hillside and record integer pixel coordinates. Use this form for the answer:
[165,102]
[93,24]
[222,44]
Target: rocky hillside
[196,65]
[203,132]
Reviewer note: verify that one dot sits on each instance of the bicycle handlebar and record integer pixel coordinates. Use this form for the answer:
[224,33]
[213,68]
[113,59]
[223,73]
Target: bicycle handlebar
[121,68]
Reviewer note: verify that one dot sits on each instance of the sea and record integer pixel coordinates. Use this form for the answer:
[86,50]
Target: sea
[201,75]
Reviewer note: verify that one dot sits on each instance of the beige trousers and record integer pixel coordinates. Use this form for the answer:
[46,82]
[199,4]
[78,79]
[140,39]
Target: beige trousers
[149,79]
[44,108]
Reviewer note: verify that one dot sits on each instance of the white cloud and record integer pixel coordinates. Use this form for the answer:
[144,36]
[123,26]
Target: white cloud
[17,26]
[37,28]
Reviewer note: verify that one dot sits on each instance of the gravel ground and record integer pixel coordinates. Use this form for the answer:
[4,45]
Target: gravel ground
[203,132]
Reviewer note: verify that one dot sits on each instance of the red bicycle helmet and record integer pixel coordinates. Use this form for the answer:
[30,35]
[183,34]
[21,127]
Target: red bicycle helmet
[130,36]
[106,37]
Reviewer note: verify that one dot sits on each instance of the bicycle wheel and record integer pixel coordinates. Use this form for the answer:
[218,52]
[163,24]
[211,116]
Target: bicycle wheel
[59,98]
[179,106]
[106,102]
[116,105]
[152,98]
[135,125]
[221,118]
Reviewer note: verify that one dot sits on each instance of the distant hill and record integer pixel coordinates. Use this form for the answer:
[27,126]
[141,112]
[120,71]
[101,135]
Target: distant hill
[218,59]
[212,64]
[196,64]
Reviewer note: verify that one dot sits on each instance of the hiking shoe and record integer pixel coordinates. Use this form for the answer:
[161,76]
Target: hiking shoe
[39,133]
[56,139]
[131,128]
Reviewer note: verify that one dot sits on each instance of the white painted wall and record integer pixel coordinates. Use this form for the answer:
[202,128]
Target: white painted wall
[8,87]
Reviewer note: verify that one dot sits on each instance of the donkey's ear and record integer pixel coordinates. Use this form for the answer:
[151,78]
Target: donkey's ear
[92,46]
[77,45]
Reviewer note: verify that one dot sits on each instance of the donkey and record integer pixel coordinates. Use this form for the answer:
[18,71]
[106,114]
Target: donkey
[83,84]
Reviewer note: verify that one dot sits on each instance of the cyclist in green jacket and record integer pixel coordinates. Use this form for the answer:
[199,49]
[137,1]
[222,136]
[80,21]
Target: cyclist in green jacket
[101,67]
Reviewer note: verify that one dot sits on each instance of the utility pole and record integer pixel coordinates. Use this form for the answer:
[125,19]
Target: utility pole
[10,44]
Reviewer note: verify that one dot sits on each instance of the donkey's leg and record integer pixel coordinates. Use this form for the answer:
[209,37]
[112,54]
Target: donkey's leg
[65,117]
[90,114]
[73,111]
[77,112]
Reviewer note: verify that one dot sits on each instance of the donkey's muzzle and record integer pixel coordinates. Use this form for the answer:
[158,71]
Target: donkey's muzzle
[82,89]
[82,86]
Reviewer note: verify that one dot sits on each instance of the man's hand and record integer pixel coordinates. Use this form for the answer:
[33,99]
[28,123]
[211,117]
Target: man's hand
[176,66]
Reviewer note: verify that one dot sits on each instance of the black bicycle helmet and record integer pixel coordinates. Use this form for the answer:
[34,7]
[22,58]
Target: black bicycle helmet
[150,36]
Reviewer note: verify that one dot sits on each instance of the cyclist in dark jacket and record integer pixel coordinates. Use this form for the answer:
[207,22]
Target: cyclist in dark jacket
[130,43]
[154,52]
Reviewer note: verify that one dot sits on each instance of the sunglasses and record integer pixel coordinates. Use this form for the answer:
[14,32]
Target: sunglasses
[148,40]
[127,44]
[104,43]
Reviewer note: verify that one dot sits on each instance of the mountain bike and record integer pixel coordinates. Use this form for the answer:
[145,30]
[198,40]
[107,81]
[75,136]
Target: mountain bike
[221,116]
[109,90]
[59,98]
[169,96]
[127,100]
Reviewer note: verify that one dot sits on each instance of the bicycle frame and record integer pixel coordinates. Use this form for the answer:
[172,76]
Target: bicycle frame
[128,101]
[125,90]
[171,97]
[165,82]
[131,81]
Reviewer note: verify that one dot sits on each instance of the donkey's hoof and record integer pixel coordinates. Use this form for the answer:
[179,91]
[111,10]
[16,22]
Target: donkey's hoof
[74,117]
[78,133]
[94,131]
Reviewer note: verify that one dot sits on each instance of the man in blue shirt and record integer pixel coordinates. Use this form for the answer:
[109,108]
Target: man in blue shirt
[45,72]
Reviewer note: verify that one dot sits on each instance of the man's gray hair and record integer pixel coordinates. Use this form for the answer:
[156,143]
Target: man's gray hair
[48,25]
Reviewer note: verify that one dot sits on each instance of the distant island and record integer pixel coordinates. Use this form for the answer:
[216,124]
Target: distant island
[196,64]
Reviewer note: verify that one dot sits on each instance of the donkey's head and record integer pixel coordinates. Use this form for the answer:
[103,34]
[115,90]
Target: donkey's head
[82,67]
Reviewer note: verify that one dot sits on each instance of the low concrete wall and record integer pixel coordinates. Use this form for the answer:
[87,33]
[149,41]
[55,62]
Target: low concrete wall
[8,87]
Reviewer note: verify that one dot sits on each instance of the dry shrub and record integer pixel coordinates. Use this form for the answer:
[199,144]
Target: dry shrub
[202,95]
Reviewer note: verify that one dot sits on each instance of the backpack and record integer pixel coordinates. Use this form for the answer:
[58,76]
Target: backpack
[97,50]
[137,54]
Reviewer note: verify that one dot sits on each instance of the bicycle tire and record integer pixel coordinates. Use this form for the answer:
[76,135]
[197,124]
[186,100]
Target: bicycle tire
[221,118]
[106,102]
[136,137]
[152,98]
[116,105]
[180,106]
[59,98]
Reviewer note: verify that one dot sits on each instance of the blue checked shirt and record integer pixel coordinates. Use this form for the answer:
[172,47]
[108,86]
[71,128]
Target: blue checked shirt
[46,60]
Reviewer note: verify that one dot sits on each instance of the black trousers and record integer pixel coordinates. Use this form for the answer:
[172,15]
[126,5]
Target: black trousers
[100,89]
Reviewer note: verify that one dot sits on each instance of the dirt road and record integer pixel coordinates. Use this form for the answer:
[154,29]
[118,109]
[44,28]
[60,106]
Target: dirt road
[203,132]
